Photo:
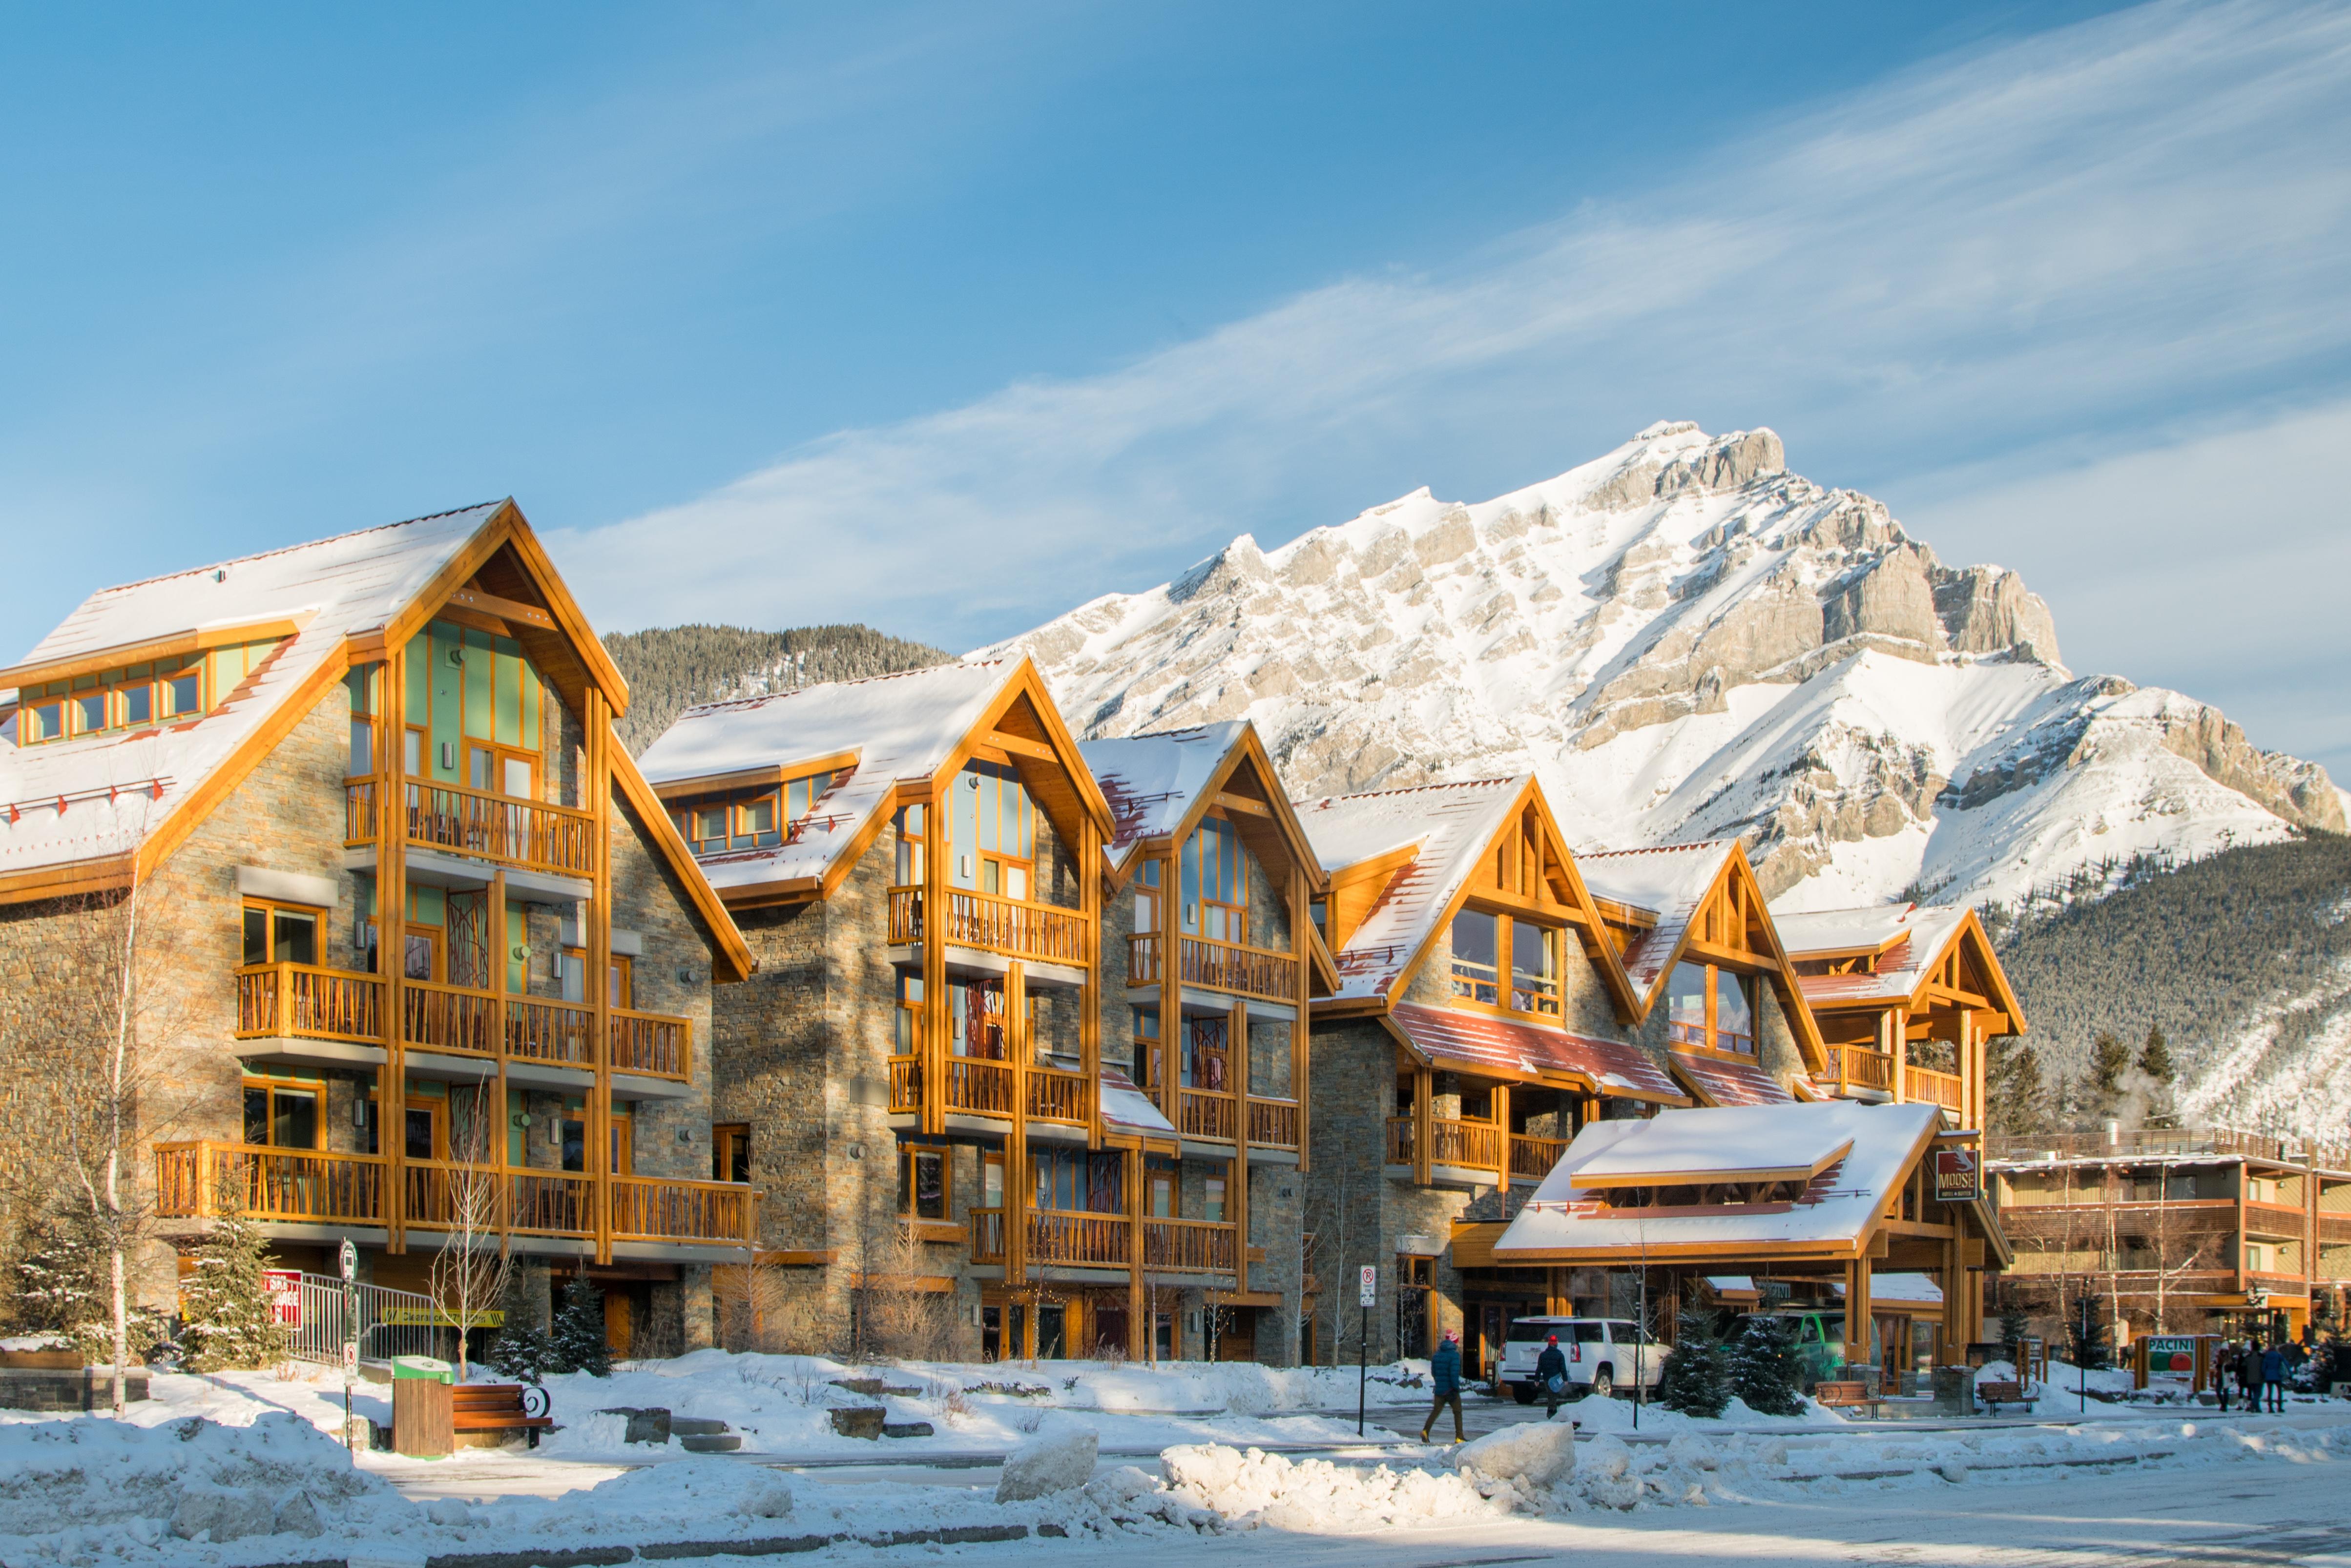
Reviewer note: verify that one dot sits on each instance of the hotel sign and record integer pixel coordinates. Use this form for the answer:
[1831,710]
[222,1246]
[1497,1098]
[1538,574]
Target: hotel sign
[1959,1176]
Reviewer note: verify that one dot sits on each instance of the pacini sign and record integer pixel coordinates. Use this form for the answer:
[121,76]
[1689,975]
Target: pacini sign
[1959,1176]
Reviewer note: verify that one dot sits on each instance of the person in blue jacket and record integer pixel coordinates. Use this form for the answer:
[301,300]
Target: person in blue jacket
[1445,1375]
[2273,1376]
[1551,1373]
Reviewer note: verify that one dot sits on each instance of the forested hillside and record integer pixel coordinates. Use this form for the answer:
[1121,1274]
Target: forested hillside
[2242,958]
[671,668]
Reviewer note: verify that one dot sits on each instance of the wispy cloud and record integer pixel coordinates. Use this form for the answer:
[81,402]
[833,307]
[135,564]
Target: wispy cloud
[2139,220]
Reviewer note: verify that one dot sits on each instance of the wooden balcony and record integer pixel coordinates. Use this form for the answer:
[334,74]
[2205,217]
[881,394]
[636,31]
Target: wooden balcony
[1042,932]
[1205,1114]
[301,1002]
[1144,954]
[1852,1066]
[1927,1085]
[1273,1122]
[1058,1096]
[315,1187]
[1469,1145]
[531,834]
[1531,1158]
[984,1087]
[1079,1239]
[1189,1245]
[1244,971]
[1071,1238]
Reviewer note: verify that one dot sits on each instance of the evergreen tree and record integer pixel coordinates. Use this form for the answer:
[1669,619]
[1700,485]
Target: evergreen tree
[1763,1368]
[2110,1059]
[2154,1059]
[523,1351]
[58,1275]
[231,1323]
[1696,1378]
[2016,1093]
[577,1343]
[2013,1324]
[2086,1327]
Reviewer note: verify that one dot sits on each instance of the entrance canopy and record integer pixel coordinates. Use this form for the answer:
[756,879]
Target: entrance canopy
[1794,1181]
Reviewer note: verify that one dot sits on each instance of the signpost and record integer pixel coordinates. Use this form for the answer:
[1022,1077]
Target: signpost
[1367,1292]
[348,1256]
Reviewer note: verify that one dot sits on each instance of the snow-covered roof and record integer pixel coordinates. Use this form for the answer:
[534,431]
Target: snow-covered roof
[1484,1043]
[1669,882]
[69,800]
[1916,1290]
[1152,780]
[1725,1081]
[1834,1216]
[1450,824]
[1126,1109]
[1908,940]
[902,727]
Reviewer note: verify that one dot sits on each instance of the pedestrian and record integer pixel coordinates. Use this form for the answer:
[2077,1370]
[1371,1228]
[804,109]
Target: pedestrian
[1550,1371]
[2224,1364]
[2273,1376]
[2249,1374]
[1445,1376]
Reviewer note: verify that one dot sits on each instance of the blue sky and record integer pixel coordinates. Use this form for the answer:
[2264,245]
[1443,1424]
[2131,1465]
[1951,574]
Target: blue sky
[948,317]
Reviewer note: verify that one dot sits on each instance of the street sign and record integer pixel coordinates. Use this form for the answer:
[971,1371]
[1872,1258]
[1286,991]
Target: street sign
[1959,1176]
[350,1359]
[1368,1291]
[349,1258]
[283,1287]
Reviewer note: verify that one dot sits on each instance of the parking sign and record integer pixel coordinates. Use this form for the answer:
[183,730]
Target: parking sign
[1368,1293]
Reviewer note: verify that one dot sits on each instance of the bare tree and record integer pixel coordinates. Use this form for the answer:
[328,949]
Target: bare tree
[469,1271]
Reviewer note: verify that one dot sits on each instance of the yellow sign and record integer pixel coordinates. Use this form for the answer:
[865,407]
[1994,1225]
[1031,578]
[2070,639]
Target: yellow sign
[441,1318]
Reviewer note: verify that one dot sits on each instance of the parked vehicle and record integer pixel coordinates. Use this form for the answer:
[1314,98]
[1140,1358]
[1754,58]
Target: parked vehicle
[1603,1354]
[1820,1339]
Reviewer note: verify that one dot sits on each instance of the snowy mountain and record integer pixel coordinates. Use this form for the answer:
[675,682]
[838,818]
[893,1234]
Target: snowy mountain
[1684,640]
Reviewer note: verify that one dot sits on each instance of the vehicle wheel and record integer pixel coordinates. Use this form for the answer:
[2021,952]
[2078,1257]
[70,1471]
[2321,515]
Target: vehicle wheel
[1524,1392]
[1603,1383]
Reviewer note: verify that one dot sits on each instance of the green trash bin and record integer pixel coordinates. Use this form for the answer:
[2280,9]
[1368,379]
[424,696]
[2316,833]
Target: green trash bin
[431,1366]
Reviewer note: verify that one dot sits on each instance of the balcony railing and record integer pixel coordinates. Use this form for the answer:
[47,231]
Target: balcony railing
[532,834]
[1188,1246]
[1230,967]
[1926,1085]
[306,1002]
[2170,1140]
[1143,953]
[315,1186]
[1531,1158]
[986,1234]
[1858,1067]
[1273,1122]
[905,1083]
[1064,1236]
[1473,1145]
[1058,1096]
[1043,932]
[1205,1114]
[303,1000]
[978,1084]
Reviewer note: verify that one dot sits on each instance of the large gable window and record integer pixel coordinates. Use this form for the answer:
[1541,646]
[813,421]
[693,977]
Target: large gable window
[1530,982]
[1711,1008]
[1215,873]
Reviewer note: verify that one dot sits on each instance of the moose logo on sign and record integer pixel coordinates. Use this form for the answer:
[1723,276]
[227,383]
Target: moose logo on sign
[1959,1176]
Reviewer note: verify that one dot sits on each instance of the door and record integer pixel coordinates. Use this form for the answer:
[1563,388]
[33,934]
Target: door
[1053,1331]
[625,1143]
[620,1327]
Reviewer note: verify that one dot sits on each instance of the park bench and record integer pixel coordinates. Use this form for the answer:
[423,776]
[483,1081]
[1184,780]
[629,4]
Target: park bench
[492,1407]
[1847,1395]
[1995,1395]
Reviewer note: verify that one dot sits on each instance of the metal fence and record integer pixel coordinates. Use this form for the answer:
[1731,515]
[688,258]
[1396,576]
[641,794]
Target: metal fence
[388,1323]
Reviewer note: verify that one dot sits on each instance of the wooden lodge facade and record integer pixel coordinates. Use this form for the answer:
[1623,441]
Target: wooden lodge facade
[417,953]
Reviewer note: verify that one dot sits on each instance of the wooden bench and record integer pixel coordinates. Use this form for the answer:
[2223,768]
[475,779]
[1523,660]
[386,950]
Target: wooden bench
[1850,1395]
[1995,1395]
[492,1407]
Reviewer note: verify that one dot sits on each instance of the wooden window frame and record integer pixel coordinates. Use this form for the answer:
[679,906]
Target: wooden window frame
[272,908]
[1711,1033]
[1194,913]
[1506,971]
[727,1140]
[274,1084]
[944,1228]
[112,689]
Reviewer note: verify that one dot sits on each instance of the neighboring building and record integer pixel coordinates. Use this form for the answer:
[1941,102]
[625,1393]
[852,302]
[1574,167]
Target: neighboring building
[420,961]
[1210,958]
[918,1075]
[2177,1231]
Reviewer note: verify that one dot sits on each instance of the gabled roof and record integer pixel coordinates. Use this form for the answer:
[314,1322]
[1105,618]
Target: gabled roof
[1669,882]
[1447,825]
[917,728]
[1160,785]
[1481,1042]
[1837,1217]
[1909,943]
[86,812]
[1721,1080]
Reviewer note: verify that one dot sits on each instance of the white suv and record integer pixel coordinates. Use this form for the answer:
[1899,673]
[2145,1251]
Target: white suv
[1603,1354]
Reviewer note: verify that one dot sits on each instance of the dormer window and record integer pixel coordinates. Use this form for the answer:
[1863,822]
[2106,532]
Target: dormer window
[1711,1008]
[1531,983]
[758,821]
[130,697]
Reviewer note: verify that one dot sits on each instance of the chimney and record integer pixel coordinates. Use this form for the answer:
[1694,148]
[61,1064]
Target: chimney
[2113,1132]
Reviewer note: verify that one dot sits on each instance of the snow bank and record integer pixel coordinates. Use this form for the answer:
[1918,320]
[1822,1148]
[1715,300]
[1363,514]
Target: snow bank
[1535,1453]
[1250,1487]
[1060,1460]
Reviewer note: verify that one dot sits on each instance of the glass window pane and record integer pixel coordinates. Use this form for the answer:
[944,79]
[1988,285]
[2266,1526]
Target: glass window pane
[1534,968]
[1734,1015]
[45,721]
[1474,955]
[90,713]
[182,693]
[362,758]
[930,1185]
[293,1119]
[1686,999]
[519,783]
[256,1114]
[297,937]
[257,935]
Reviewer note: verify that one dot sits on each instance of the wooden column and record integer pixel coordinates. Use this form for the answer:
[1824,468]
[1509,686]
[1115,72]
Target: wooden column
[1897,1030]
[1138,1333]
[1955,1312]
[1237,1031]
[1089,996]
[392,946]
[935,1046]
[1856,1311]
[1502,1115]
[1019,1181]
[598,941]
[1302,942]
[502,941]
[1424,1129]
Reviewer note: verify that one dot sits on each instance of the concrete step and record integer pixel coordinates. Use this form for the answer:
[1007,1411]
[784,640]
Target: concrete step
[696,1427]
[712,1442]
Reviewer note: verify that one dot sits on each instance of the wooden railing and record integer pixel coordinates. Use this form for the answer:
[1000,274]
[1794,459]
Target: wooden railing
[1925,1084]
[448,1018]
[1859,1067]
[359,811]
[1143,957]
[977,1084]
[1057,1096]
[1198,1246]
[1205,1114]
[304,1000]
[1474,1145]
[1045,931]
[497,827]
[905,1083]
[1532,1158]
[313,1186]
[649,1043]
[1066,1236]
[561,1034]
[277,1184]
[1230,967]
[1273,1122]
[986,1234]
[654,1208]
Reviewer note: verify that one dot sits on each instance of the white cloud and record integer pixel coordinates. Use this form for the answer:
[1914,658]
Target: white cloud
[2137,220]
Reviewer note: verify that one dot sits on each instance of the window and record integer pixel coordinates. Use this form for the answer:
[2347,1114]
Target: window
[1159,1189]
[1078,1182]
[1150,1064]
[362,684]
[1534,968]
[475,702]
[993,831]
[1479,942]
[1212,1198]
[1207,1062]
[976,1018]
[1146,898]
[923,1182]
[730,1152]
[281,1114]
[1476,948]
[910,1013]
[911,846]
[281,934]
[620,988]
[1711,1008]
[1215,883]
[126,698]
